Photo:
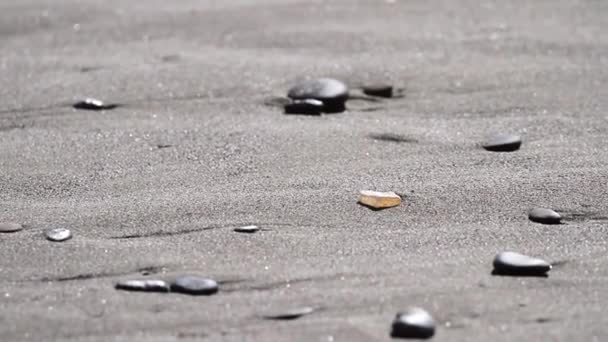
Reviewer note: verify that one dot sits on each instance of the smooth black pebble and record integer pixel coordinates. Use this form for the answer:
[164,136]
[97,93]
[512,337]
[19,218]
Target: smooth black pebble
[194,285]
[331,92]
[304,107]
[378,90]
[290,313]
[502,143]
[93,104]
[515,264]
[148,285]
[10,227]
[413,323]
[58,234]
[545,216]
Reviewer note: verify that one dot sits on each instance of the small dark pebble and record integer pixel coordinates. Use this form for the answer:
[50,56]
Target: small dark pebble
[545,216]
[304,107]
[515,264]
[378,90]
[93,104]
[413,323]
[10,227]
[58,234]
[247,229]
[148,285]
[290,313]
[503,143]
[194,285]
[331,92]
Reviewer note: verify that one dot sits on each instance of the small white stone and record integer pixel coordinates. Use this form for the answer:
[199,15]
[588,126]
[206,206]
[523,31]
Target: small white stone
[58,234]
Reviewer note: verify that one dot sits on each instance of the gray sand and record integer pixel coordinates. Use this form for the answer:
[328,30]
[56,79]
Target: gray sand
[195,75]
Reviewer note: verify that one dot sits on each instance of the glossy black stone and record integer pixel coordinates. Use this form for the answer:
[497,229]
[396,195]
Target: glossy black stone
[502,143]
[305,107]
[93,104]
[10,227]
[545,216]
[194,285]
[147,285]
[515,264]
[413,323]
[378,90]
[331,92]
[247,229]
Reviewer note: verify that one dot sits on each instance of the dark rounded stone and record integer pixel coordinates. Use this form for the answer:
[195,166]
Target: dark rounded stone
[378,90]
[148,285]
[304,107]
[545,216]
[58,234]
[503,143]
[331,92]
[93,104]
[413,323]
[290,313]
[247,229]
[515,264]
[10,227]
[194,285]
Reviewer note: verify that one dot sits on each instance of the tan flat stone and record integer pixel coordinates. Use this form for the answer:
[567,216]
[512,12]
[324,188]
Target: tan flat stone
[379,200]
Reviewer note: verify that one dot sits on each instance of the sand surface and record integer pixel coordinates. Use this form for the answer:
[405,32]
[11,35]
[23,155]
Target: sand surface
[194,77]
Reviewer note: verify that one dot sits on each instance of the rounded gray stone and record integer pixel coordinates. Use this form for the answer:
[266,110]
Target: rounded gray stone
[10,227]
[545,216]
[413,323]
[194,285]
[515,264]
[502,143]
[58,234]
[331,92]
[147,285]
[247,229]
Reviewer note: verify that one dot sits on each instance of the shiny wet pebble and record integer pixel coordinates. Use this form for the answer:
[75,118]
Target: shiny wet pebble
[413,323]
[93,104]
[331,92]
[147,285]
[304,107]
[515,264]
[247,229]
[545,216]
[58,234]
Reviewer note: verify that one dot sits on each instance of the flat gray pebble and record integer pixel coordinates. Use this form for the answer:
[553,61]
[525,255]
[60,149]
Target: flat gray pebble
[502,143]
[515,264]
[147,285]
[10,227]
[545,216]
[289,314]
[58,234]
[413,323]
[194,285]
